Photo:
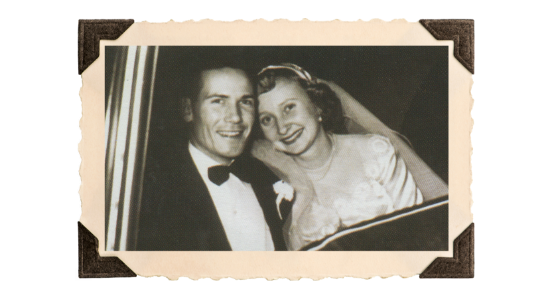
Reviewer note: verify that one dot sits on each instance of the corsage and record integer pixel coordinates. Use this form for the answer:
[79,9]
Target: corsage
[284,191]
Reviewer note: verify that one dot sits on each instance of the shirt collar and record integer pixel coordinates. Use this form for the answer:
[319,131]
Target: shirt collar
[202,160]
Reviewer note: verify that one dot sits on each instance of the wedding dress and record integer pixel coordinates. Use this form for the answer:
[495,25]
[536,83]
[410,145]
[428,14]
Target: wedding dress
[370,173]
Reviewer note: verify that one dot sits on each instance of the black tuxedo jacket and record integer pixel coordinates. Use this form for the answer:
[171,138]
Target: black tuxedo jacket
[177,212]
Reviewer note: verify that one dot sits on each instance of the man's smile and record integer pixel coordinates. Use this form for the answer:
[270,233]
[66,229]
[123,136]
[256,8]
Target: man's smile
[230,133]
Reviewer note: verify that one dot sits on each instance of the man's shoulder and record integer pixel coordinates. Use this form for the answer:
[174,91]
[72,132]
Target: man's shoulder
[171,175]
[257,170]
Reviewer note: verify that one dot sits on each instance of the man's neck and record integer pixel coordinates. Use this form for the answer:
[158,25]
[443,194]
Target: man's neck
[217,158]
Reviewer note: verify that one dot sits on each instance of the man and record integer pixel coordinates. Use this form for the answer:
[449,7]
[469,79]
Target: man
[211,195]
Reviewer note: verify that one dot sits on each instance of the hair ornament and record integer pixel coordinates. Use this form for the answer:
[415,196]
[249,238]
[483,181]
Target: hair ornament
[290,66]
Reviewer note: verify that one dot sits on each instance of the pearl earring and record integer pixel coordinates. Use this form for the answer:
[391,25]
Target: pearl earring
[320,118]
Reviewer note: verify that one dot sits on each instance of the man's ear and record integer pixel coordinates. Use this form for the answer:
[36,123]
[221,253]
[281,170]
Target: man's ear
[187,110]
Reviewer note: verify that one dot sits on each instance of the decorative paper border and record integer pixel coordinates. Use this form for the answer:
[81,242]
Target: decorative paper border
[459,31]
[91,265]
[90,32]
[461,265]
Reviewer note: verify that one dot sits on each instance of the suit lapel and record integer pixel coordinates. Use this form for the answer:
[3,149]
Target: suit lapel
[262,180]
[189,216]
[198,212]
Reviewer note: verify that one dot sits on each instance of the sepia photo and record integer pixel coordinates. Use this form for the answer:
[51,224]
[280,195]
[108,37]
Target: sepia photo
[241,155]
[276,148]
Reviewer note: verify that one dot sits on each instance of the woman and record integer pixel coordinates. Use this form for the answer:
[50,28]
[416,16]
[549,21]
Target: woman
[340,180]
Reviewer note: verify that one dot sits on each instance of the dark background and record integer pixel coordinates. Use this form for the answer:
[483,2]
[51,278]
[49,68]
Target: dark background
[405,87]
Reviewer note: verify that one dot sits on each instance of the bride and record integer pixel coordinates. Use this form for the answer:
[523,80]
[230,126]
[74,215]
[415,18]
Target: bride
[340,179]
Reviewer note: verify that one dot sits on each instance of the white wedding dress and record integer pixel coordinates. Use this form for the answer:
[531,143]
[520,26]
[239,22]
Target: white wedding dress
[368,175]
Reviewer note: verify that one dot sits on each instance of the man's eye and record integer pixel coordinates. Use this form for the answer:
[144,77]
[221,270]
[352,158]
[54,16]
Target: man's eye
[266,120]
[247,102]
[217,101]
[289,107]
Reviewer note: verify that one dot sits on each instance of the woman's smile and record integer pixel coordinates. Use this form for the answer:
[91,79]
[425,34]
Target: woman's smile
[292,137]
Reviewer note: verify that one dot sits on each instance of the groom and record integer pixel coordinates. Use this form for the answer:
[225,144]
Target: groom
[212,195]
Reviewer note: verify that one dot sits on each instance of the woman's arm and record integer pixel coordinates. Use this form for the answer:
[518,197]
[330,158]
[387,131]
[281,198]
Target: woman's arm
[430,184]
[390,171]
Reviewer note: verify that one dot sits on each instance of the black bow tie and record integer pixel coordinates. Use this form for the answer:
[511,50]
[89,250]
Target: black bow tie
[219,174]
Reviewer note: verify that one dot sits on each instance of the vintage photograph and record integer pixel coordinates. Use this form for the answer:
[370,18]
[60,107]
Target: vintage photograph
[276,148]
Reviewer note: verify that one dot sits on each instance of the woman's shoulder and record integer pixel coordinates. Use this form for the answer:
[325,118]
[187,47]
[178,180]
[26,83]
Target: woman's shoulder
[372,143]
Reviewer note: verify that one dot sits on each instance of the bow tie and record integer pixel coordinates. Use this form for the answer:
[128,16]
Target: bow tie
[220,174]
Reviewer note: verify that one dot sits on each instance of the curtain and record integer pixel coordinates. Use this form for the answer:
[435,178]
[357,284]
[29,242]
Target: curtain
[130,77]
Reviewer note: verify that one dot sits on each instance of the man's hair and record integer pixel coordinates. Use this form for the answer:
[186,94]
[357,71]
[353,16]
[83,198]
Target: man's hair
[193,78]
[320,94]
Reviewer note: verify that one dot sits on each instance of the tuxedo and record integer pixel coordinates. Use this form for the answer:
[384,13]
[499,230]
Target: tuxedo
[177,211]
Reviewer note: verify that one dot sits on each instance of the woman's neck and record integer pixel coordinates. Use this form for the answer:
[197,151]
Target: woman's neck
[318,153]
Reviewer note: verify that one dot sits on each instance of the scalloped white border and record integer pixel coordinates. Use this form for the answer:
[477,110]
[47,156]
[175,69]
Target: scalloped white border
[272,265]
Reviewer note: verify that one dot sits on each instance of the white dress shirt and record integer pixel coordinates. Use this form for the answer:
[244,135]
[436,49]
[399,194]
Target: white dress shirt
[240,213]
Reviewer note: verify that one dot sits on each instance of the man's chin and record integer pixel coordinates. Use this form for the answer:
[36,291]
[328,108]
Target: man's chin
[232,147]
[231,152]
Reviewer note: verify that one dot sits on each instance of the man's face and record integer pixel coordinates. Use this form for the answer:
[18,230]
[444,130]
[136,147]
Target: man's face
[223,114]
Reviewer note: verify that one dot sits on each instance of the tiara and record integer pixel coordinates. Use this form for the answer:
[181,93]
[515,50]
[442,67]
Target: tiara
[290,66]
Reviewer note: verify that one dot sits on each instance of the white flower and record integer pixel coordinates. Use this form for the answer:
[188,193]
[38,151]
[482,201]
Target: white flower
[368,200]
[328,229]
[362,192]
[317,222]
[379,144]
[372,170]
[284,191]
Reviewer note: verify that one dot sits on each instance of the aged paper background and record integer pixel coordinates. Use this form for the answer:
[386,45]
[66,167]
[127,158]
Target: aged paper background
[271,265]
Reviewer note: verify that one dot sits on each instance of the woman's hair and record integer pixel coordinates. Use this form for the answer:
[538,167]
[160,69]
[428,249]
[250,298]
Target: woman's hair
[320,94]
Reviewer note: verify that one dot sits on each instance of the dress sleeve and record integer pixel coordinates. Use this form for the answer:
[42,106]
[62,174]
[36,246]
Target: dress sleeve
[389,169]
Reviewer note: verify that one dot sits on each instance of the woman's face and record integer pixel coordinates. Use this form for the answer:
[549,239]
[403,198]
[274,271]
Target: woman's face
[288,118]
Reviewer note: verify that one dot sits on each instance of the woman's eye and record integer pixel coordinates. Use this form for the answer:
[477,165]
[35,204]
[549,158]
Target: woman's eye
[265,120]
[289,107]
[216,101]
